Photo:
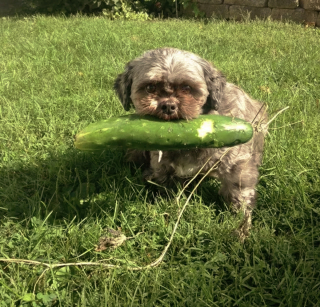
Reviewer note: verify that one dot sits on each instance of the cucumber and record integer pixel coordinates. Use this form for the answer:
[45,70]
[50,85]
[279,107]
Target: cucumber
[150,133]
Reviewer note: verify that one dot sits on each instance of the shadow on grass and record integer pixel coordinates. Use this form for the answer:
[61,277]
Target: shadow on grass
[64,185]
[83,184]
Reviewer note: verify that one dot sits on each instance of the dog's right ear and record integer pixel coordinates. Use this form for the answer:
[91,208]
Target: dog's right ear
[122,86]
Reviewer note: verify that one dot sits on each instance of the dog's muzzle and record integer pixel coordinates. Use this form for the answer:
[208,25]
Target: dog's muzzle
[168,107]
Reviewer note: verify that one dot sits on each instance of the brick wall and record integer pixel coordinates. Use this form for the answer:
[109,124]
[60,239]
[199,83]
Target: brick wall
[301,11]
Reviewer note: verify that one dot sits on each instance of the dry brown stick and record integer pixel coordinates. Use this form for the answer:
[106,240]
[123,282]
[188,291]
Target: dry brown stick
[273,118]
[56,265]
[291,124]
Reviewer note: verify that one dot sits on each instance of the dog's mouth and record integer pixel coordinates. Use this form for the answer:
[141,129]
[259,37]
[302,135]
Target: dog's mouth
[168,109]
[169,116]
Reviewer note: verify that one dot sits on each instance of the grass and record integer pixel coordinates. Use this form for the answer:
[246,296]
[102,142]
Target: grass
[56,76]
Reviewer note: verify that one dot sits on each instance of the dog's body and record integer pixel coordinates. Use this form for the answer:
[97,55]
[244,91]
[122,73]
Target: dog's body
[172,84]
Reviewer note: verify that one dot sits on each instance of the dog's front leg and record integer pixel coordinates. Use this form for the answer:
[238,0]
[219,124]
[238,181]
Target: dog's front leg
[238,187]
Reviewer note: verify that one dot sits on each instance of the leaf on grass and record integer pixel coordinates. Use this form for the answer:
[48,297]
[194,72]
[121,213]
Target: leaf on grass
[28,297]
[265,89]
[46,298]
[113,240]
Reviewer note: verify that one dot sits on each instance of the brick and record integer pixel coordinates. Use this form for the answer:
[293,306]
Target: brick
[218,11]
[255,3]
[298,15]
[310,4]
[210,1]
[310,16]
[238,12]
[283,4]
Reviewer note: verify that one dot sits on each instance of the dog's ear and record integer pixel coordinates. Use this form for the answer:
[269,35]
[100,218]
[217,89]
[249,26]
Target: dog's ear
[216,82]
[122,86]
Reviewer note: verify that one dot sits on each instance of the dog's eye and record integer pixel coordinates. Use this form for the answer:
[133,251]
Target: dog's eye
[186,88]
[151,88]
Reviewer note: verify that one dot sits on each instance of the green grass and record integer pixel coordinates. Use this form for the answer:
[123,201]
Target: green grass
[56,76]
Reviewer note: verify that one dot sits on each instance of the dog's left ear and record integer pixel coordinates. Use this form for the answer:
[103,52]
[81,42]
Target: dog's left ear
[216,82]
[122,86]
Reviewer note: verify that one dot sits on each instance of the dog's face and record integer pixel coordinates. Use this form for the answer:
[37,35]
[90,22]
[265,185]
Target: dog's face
[168,96]
[170,84]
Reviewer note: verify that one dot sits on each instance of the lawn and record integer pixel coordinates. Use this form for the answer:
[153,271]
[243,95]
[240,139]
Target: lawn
[56,76]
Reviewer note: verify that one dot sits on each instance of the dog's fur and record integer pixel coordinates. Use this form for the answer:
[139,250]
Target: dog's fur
[174,84]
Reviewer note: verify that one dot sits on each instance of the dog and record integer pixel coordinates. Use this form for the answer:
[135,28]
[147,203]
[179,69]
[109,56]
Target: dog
[173,84]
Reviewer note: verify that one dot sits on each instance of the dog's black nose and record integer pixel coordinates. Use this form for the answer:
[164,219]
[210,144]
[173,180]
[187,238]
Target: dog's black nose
[169,107]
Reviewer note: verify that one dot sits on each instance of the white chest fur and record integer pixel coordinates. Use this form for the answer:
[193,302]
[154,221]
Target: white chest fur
[183,170]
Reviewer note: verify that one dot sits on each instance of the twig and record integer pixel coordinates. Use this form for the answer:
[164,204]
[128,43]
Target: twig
[291,124]
[263,107]
[56,265]
[273,118]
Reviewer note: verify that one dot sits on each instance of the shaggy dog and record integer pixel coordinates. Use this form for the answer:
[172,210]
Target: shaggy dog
[173,84]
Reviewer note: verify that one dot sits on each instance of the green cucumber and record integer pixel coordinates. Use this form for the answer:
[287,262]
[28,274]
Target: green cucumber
[150,133]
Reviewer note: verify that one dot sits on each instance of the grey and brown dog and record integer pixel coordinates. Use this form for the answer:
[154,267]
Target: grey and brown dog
[174,84]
